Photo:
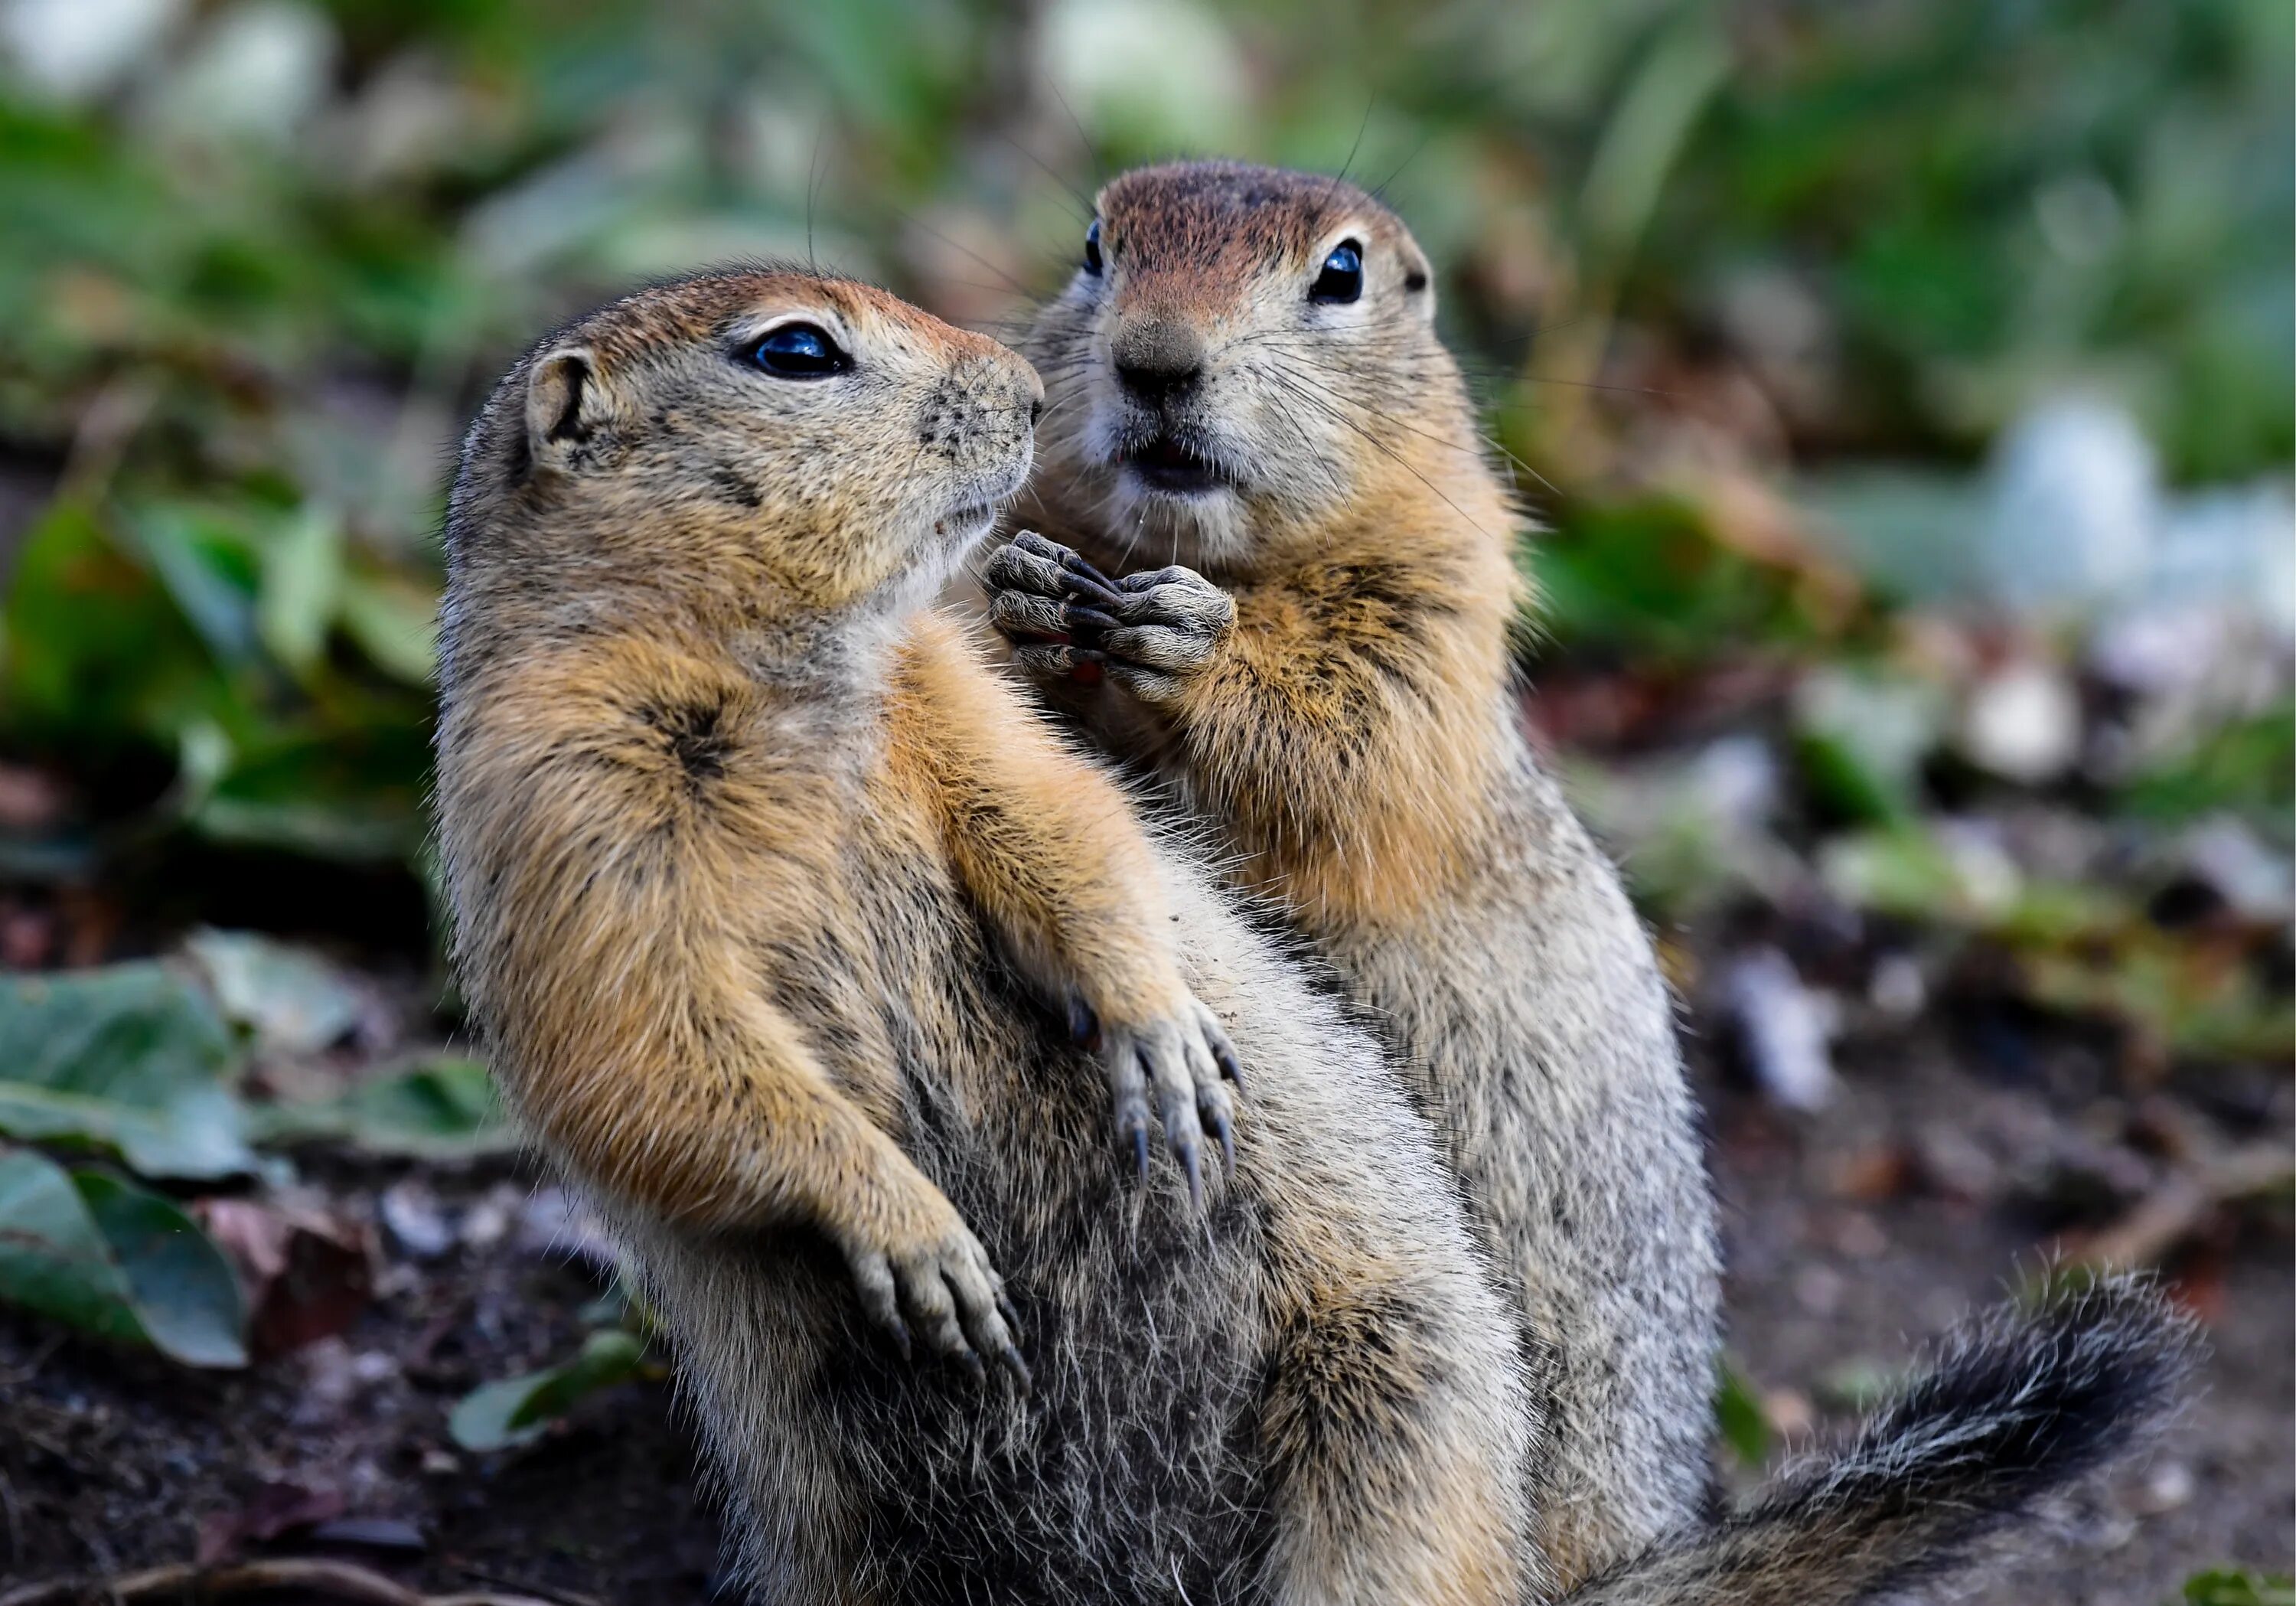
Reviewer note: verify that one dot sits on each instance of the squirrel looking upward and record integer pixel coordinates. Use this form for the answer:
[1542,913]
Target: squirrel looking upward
[1245,386]
[819,962]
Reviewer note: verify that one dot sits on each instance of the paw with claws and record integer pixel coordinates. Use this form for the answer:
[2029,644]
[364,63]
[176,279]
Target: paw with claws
[935,1280]
[1185,1069]
[1149,633]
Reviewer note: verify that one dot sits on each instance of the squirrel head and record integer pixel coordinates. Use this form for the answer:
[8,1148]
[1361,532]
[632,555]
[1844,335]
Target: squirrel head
[1240,350]
[764,438]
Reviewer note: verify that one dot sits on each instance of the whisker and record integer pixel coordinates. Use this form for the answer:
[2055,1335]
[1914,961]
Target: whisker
[1078,197]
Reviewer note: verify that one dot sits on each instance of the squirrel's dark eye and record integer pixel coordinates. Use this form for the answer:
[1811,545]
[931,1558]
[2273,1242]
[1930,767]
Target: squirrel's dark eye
[1342,278]
[800,351]
[1092,247]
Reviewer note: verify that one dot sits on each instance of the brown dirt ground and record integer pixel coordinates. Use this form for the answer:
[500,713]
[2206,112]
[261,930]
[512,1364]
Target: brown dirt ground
[110,1461]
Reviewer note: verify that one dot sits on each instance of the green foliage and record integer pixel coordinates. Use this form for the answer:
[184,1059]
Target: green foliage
[1992,195]
[440,1108]
[132,1060]
[1738,1414]
[517,1411]
[1862,737]
[2224,1586]
[1647,578]
[2248,767]
[183,1291]
[117,1261]
[135,1061]
[250,333]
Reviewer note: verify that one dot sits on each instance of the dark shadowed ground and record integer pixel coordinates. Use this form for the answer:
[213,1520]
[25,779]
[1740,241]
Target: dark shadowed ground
[1848,1242]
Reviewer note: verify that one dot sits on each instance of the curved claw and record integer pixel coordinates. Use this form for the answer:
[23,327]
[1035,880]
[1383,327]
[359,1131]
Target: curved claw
[1084,1025]
[1224,1052]
[1176,1064]
[1214,1116]
[1091,580]
[1191,1168]
[1016,1368]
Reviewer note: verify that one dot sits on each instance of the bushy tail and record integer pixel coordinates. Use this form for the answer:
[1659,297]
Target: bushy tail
[2016,1406]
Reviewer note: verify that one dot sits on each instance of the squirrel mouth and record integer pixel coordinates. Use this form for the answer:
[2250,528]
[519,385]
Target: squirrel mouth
[1168,464]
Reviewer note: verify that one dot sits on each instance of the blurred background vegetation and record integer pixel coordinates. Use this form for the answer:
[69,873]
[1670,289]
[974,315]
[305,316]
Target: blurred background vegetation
[1731,278]
[1904,388]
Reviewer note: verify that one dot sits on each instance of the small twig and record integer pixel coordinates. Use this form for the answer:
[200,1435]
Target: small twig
[2161,1219]
[15,1523]
[561,1597]
[185,1582]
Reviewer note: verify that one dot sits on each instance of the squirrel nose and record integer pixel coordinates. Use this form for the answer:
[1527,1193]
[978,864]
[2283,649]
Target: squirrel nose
[1157,358]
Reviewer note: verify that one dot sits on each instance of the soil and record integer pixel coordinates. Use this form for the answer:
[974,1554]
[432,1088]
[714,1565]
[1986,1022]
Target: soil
[1853,1234]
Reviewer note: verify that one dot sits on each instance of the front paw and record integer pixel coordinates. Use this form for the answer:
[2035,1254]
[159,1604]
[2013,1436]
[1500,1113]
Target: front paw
[934,1274]
[1183,1062]
[1149,633]
[1042,596]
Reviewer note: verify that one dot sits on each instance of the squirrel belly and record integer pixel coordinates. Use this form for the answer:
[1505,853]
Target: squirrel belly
[1246,380]
[1247,389]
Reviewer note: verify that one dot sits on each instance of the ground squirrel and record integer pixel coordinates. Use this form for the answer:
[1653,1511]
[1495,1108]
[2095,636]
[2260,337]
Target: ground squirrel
[791,932]
[1244,384]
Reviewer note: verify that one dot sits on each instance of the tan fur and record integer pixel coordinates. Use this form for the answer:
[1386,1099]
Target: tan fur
[774,908]
[1320,671]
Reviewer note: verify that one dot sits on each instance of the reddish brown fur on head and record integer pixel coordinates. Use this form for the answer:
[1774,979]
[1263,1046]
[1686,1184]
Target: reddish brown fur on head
[1196,239]
[1209,396]
[650,445]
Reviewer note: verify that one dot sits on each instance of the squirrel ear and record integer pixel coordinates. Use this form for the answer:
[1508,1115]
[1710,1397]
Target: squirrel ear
[1419,284]
[565,403]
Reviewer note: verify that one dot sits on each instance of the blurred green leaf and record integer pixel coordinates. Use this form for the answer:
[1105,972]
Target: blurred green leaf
[302,581]
[1934,876]
[515,1410]
[116,1260]
[348,792]
[1909,872]
[1745,1425]
[444,1108]
[1648,577]
[2248,768]
[2226,1586]
[291,999]
[131,1058]
[94,652]
[198,1132]
[184,1294]
[395,623]
[1659,104]
[53,1257]
[207,565]
[1863,737]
